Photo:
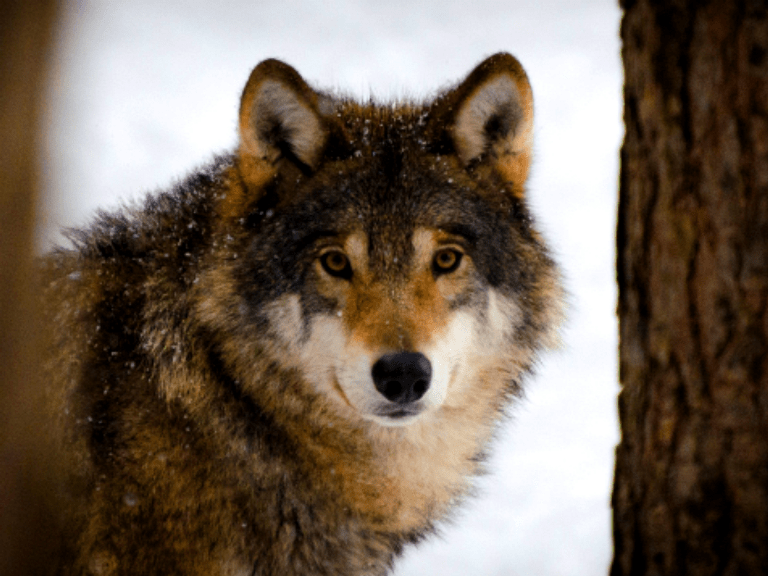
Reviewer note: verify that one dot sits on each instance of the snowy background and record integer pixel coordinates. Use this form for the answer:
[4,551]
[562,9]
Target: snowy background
[144,91]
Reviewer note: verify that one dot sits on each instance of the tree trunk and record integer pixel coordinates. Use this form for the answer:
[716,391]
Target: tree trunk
[27,535]
[691,485]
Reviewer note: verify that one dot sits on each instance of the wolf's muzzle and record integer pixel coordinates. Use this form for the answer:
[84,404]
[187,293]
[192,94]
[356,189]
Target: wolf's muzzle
[402,377]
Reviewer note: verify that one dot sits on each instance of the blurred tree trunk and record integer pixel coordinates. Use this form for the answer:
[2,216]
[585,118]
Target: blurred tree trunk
[26,528]
[691,485]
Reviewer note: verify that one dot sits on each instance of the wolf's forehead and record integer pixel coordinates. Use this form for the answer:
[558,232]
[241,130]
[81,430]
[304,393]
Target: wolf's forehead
[382,247]
[382,250]
[389,218]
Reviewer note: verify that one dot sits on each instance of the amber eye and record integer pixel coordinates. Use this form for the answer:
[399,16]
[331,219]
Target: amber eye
[336,264]
[446,260]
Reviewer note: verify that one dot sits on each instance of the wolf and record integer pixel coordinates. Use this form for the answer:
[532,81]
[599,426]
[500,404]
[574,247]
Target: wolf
[293,361]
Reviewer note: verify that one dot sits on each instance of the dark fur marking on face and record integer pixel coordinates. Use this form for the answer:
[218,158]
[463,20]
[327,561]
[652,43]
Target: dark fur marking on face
[464,229]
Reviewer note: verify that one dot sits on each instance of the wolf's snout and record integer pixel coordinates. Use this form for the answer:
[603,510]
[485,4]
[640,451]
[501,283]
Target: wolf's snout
[402,377]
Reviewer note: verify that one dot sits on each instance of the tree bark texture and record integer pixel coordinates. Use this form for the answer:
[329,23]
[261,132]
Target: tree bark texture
[27,507]
[691,486]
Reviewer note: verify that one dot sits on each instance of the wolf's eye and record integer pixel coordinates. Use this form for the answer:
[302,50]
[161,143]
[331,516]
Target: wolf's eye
[336,264]
[446,260]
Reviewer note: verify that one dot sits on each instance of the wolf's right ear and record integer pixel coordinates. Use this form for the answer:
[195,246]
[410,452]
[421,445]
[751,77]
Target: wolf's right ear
[279,118]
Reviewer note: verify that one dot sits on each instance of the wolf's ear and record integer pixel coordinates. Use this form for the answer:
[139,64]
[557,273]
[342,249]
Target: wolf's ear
[490,117]
[279,117]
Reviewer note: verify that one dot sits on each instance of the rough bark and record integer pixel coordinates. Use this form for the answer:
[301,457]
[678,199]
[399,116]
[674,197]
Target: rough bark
[25,484]
[691,485]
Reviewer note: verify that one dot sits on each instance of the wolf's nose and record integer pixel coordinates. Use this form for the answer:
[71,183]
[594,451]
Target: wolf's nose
[402,377]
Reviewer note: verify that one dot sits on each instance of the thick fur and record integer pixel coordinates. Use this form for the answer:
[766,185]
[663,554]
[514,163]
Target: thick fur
[213,352]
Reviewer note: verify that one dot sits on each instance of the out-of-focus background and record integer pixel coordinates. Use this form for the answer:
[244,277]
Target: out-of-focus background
[145,91]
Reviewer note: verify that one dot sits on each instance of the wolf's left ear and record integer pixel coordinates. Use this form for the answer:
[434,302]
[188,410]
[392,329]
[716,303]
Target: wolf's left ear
[490,117]
[280,118]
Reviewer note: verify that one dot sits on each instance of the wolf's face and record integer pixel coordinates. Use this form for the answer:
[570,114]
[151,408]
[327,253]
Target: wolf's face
[386,253]
[392,330]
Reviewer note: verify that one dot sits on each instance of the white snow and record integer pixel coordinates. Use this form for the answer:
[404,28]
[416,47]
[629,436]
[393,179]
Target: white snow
[144,91]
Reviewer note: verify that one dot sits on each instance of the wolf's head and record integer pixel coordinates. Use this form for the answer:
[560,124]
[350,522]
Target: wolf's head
[386,251]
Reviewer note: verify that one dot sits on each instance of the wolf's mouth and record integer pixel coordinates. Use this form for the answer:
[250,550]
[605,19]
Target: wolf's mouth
[400,412]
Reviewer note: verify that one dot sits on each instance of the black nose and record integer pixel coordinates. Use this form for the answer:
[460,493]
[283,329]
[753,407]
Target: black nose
[402,377]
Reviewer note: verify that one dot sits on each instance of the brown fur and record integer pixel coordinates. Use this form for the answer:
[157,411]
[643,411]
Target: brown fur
[206,360]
